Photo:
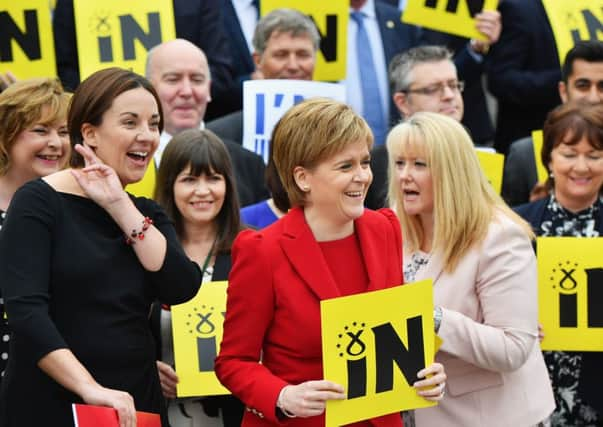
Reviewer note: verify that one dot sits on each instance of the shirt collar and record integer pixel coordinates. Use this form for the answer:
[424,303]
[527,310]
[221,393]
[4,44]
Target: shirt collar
[368,9]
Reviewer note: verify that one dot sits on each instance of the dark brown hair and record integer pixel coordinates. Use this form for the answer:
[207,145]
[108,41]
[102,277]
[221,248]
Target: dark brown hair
[204,153]
[275,186]
[95,95]
[568,124]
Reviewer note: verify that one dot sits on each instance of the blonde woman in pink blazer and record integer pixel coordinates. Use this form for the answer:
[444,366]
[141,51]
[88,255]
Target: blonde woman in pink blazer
[458,232]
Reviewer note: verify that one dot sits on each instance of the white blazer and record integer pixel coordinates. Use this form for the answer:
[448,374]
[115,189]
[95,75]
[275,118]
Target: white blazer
[496,372]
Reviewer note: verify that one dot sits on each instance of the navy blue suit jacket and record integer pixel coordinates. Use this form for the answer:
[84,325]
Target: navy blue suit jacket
[523,71]
[242,63]
[396,37]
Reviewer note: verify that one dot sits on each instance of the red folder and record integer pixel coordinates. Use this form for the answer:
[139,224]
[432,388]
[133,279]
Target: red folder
[101,416]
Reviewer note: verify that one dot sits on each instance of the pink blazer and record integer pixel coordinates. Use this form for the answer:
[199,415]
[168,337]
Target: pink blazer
[277,281]
[496,372]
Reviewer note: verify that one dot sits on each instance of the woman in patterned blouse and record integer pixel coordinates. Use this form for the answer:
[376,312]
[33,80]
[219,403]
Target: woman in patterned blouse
[33,143]
[572,152]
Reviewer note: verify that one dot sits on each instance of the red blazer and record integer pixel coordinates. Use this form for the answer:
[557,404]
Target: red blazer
[277,281]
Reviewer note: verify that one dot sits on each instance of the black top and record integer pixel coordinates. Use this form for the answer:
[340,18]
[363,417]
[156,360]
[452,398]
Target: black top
[70,281]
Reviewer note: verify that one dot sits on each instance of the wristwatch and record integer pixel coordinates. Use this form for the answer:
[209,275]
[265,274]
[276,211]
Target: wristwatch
[437,318]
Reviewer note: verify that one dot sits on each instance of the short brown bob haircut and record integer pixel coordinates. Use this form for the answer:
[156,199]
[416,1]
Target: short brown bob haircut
[311,132]
[568,124]
[26,103]
[95,95]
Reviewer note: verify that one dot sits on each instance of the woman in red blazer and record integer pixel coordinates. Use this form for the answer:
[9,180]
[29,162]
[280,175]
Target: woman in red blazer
[327,246]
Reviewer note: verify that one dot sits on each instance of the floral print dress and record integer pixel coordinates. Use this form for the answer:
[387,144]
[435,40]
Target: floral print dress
[564,367]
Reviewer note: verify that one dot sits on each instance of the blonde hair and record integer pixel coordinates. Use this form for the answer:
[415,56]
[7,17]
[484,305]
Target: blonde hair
[464,202]
[310,132]
[26,103]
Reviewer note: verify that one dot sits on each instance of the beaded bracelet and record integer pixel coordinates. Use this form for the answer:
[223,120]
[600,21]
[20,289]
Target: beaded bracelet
[146,223]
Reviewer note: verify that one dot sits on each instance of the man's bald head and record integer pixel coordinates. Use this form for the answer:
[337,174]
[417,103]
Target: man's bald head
[179,71]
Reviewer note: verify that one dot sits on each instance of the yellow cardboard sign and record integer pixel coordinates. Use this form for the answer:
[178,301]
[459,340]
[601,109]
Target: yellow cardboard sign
[331,19]
[26,42]
[492,165]
[537,141]
[374,344]
[198,326]
[448,16]
[574,20]
[570,292]
[117,33]
[146,186]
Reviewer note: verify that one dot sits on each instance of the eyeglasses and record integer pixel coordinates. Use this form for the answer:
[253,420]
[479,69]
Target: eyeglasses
[438,88]
[584,85]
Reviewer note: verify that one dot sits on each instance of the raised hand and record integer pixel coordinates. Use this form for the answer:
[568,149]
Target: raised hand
[432,387]
[488,23]
[308,399]
[99,181]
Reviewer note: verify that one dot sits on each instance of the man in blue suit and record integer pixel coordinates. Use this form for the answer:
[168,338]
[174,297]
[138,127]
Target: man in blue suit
[366,85]
[237,22]
[581,79]
[523,71]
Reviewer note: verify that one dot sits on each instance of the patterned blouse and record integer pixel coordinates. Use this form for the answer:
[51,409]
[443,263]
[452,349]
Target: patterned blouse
[564,366]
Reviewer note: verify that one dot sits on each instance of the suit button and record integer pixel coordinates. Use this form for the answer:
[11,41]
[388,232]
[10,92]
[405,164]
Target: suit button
[260,415]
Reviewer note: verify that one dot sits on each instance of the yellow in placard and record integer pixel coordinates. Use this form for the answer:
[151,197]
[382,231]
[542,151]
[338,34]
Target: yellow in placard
[373,344]
[331,19]
[115,33]
[574,20]
[492,164]
[570,293]
[198,326]
[449,16]
[146,186]
[537,140]
[26,42]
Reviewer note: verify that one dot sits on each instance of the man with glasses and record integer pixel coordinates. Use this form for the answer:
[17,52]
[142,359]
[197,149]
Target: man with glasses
[581,79]
[423,78]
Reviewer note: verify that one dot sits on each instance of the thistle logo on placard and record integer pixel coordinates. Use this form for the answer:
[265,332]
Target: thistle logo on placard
[389,349]
[202,326]
[565,280]
[129,30]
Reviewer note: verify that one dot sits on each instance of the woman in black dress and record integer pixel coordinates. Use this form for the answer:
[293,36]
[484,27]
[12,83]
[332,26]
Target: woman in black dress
[82,261]
[33,143]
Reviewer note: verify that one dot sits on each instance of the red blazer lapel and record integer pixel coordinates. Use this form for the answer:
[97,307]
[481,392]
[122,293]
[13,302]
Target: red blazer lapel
[304,254]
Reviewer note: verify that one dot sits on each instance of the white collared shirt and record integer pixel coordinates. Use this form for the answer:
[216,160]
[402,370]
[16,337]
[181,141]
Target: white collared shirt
[352,81]
[164,139]
[248,18]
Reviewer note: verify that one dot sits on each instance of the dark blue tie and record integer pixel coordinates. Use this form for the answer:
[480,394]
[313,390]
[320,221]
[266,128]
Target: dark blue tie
[372,108]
